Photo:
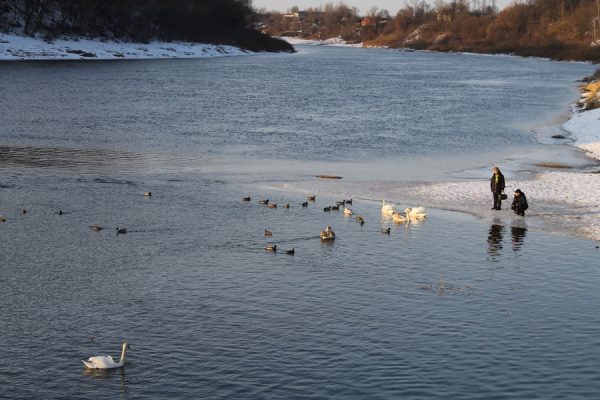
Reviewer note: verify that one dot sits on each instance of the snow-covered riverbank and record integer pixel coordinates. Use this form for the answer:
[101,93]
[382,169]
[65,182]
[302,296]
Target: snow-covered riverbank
[585,130]
[333,42]
[15,47]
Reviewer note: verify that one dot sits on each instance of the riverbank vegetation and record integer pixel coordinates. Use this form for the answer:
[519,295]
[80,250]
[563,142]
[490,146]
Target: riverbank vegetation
[558,29]
[590,92]
[228,22]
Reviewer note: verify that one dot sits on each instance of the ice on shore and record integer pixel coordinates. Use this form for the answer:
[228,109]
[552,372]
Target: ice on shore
[585,129]
[336,42]
[15,47]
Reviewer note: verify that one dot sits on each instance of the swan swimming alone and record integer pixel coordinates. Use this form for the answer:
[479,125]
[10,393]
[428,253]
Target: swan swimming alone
[387,208]
[415,214]
[106,362]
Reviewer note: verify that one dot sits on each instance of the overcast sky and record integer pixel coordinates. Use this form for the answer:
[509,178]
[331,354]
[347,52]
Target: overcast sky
[363,5]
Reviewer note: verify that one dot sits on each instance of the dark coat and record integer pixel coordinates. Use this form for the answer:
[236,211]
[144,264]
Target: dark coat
[520,203]
[497,188]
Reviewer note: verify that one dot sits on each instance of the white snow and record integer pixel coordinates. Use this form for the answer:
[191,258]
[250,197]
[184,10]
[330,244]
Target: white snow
[15,47]
[585,128]
[335,42]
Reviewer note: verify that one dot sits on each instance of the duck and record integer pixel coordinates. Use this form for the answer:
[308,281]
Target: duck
[311,198]
[263,201]
[246,199]
[286,205]
[360,218]
[399,218]
[121,230]
[415,213]
[148,194]
[2,218]
[96,227]
[340,203]
[268,233]
[271,247]
[348,211]
[291,252]
[327,209]
[335,208]
[327,234]
[106,362]
[305,204]
[23,211]
[272,205]
[386,230]
[387,208]
[60,212]
[348,201]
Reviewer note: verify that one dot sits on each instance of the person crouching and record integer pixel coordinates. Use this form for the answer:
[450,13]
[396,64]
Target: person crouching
[519,204]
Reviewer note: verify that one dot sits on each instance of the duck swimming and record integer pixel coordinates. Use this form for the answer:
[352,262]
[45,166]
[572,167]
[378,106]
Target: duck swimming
[290,252]
[399,218]
[121,230]
[268,233]
[386,231]
[271,247]
[246,199]
[327,234]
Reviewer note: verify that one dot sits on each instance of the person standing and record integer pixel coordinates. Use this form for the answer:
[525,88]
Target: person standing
[497,185]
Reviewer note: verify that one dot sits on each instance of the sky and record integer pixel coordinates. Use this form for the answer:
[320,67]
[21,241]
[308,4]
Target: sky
[363,5]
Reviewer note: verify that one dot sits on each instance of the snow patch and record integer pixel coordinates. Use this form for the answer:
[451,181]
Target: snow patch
[15,47]
[334,42]
[585,128]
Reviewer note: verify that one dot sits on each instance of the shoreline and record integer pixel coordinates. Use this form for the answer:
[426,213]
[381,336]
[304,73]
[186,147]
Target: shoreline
[24,48]
[564,197]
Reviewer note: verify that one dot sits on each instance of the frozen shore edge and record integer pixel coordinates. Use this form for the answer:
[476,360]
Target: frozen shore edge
[14,48]
[563,201]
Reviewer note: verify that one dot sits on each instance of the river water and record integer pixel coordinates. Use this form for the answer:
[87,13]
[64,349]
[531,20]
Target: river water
[453,307]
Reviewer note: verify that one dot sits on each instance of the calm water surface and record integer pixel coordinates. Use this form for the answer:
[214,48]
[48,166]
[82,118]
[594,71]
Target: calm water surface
[448,308]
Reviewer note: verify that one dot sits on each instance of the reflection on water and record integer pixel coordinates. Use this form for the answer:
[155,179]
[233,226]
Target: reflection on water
[518,236]
[109,374]
[89,161]
[495,236]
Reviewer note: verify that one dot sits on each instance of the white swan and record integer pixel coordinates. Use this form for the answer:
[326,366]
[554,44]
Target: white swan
[106,362]
[347,211]
[399,218]
[415,214]
[387,208]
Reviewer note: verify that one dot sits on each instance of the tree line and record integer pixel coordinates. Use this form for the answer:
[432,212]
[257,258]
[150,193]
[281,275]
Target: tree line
[560,29]
[213,21]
